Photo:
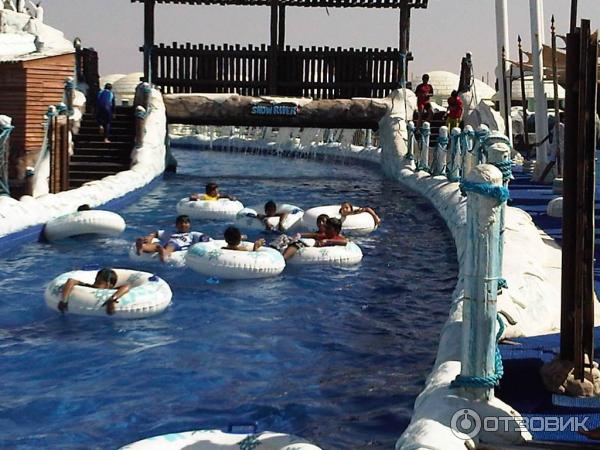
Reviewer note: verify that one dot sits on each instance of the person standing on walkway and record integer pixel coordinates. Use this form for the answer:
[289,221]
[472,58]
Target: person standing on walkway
[105,106]
[455,110]
[424,92]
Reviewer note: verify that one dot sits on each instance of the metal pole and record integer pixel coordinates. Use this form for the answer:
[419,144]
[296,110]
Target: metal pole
[273,48]
[502,42]
[556,140]
[541,103]
[506,97]
[281,36]
[523,97]
[573,23]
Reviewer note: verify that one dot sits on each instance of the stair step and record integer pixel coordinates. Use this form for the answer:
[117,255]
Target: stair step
[109,158]
[104,146]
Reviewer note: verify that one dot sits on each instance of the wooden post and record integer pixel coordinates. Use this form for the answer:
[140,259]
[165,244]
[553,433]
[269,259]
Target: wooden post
[556,140]
[148,38]
[573,22]
[281,34]
[423,159]
[273,49]
[69,93]
[523,97]
[404,40]
[482,269]
[410,129]
[577,307]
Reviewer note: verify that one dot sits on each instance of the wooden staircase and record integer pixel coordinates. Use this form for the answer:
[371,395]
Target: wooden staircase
[94,159]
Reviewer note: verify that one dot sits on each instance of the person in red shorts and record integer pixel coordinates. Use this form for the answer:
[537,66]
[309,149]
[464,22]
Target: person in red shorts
[455,110]
[424,92]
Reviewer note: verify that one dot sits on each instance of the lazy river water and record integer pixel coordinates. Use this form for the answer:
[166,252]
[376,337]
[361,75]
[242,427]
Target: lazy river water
[335,355]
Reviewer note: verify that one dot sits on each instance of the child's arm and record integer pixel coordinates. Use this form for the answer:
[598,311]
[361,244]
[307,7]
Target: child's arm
[230,197]
[194,197]
[258,244]
[373,214]
[331,242]
[67,289]
[110,303]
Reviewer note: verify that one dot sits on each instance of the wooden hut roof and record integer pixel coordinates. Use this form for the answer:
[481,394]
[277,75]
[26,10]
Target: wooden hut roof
[305,3]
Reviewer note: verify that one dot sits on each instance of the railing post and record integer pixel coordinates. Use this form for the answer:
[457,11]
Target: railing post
[5,129]
[480,366]
[69,94]
[410,129]
[498,154]
[466,146]
[140,125]
[452,166]
[438,164]
[423,159]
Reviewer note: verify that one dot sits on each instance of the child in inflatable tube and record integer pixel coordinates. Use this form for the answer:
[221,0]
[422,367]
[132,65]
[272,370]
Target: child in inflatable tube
[271,211]
[211,193]
[105,279]
[234,237]
[348,210]
[328,234]
[181,240]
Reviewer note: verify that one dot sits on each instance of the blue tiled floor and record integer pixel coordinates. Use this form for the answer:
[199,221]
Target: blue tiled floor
[521,386]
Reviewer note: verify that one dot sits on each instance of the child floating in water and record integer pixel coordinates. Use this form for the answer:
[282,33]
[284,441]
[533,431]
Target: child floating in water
[348,210]
[211,193]
[181,240]
[105,279]
[271,211]
[233,237]
[328,234]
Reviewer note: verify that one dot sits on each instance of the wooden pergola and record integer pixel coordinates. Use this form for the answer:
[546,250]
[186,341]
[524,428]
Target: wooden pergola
[277,46]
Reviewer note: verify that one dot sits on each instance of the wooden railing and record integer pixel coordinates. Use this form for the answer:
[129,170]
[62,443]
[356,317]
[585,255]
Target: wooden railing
[317,72]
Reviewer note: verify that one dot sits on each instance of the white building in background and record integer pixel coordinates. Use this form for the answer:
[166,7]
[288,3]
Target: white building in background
[445,82]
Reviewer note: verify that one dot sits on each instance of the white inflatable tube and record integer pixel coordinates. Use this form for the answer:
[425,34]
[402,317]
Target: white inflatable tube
[247,218]
[218,440]
[149,294]
[84,222]
[211,259]
[336,255]
[222,209]
[356,224]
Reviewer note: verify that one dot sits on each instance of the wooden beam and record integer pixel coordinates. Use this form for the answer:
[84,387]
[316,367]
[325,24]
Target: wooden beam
[404,40]
[148,38]
[236,110]
[273,50]
[281,35]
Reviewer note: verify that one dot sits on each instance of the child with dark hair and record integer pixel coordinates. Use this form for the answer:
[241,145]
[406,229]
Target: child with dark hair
[271,211]
[211,193]
[182,239]
[347,209]
[332,236]
[233,237]
[105,279]
[84,207]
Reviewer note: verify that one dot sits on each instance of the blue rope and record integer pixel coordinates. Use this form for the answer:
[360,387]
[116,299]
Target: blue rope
[506,168]
[141,114]
[500,193]
[489,381]
[69,84]
[502,283]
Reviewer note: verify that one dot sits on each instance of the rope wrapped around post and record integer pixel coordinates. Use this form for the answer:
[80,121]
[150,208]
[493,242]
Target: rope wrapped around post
[481,134]
[438,164]
[410,128]
[69,94]
[467,141]
[452,166]
[140,125]
[481,364]
[423,159]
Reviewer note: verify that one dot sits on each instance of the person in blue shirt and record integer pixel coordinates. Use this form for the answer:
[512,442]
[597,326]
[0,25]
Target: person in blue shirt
[105,106]
[182,239]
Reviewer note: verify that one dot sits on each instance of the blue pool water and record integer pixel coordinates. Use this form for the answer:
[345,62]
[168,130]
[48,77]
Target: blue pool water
[334,355]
